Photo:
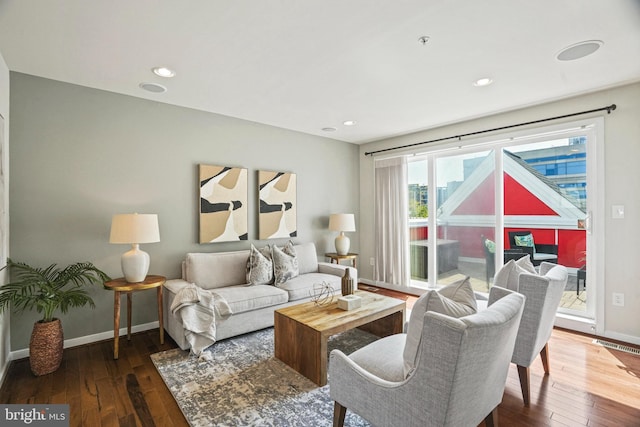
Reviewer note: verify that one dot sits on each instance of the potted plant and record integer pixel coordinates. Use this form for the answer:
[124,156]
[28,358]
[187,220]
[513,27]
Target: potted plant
[47,290]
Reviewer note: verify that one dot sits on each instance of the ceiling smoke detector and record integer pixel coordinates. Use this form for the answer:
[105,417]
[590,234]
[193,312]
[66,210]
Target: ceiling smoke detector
[579,50]
[153,87]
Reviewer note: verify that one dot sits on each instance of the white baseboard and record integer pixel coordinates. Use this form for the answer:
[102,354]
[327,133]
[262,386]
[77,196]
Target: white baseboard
[622,337]
[88,339]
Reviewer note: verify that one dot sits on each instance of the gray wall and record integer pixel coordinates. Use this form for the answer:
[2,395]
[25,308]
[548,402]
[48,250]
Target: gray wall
[80,155]
[4,212]
[622,175]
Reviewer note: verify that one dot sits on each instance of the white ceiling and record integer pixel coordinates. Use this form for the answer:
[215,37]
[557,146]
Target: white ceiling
[306,65]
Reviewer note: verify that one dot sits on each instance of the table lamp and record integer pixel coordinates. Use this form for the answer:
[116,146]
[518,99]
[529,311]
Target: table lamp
[342,223]
[134,229]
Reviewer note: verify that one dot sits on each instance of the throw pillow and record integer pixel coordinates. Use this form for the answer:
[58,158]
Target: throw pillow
[455,300]
[525,263]
[526,240]
[509,274]
[285,263]
[260,266]
[490,245]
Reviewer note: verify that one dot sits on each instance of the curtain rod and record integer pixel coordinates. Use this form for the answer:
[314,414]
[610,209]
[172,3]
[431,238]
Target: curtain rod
[608,109]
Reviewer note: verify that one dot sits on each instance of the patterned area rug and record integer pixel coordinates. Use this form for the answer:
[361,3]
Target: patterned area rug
[245,385]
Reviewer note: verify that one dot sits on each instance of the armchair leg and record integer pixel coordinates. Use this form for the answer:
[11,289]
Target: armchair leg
[339,413]
[544,355]
[523,373]
[491,420]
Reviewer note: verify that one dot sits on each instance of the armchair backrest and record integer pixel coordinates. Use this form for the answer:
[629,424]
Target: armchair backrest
[543,294]
[463,363]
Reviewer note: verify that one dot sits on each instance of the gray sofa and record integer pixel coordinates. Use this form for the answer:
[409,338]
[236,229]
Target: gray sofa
[224,273]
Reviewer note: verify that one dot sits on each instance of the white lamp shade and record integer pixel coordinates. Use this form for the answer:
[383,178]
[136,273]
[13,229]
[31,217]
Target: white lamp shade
[342,222]
[134,228]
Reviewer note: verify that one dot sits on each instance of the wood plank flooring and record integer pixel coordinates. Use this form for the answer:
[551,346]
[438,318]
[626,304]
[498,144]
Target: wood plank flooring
[589,385]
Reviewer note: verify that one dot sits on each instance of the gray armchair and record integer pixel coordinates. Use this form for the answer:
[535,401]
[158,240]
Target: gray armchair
[458,380]
[543,294]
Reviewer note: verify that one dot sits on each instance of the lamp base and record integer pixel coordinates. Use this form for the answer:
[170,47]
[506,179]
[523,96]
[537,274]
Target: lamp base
[135,264]
[342,243]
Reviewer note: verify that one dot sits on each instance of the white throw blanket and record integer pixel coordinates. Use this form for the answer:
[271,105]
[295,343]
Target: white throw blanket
[199,309]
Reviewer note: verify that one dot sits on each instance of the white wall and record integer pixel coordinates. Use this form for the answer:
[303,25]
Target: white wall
[622,175]
[4,210]
[79,155]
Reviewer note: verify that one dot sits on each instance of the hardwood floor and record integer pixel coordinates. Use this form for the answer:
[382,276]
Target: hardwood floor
[102,391]
[589,385]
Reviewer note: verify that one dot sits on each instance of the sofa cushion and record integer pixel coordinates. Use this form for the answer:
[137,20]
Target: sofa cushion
[216,270]
[260,266]
[454,300]
[303,286]
[248,298]
[307,258]
[285,263]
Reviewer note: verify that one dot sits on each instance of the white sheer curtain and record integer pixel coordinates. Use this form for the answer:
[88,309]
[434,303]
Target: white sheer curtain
[391,221]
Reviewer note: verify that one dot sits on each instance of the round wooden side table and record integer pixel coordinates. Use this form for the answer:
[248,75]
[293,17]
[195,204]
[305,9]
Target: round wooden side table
[337,258]
[121,285]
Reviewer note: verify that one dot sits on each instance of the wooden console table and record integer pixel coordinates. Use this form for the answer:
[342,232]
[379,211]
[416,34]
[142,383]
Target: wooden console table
[121,285]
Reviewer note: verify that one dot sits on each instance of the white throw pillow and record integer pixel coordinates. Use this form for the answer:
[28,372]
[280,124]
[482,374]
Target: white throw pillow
[455,300]
[285,263]
[525,263]
[260,266]
[508,276]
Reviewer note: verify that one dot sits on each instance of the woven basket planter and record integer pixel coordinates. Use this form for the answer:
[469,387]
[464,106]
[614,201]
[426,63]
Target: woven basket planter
[45,347]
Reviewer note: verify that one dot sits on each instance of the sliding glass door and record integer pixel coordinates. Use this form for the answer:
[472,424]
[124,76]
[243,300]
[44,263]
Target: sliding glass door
[473,209]
[465,218]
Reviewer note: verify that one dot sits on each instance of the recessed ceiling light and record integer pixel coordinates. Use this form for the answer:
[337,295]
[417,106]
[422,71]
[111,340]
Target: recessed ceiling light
[349,122]
[163,72]
[329,129]
[579,50]
[153,87]
[485,81]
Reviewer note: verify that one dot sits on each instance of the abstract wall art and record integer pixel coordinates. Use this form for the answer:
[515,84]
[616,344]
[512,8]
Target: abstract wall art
[278,209]
[223,204]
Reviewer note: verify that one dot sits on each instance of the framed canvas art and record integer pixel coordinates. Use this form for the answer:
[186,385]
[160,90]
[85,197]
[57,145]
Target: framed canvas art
[278,209]
[223,204]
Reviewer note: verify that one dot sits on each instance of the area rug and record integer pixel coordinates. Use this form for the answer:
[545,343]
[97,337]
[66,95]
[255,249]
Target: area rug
[245,385]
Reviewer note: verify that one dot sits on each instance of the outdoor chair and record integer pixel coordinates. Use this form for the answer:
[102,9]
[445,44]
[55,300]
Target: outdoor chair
[458,379]
[543,293]
[538,252]
[490,257]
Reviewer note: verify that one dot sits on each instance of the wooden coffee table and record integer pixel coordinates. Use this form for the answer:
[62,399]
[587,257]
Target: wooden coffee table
[301,331]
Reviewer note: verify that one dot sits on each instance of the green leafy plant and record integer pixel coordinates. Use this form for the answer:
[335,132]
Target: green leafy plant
[49,289]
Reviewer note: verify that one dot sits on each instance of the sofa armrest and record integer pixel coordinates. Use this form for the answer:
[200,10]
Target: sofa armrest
[337,270]
[174,285]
